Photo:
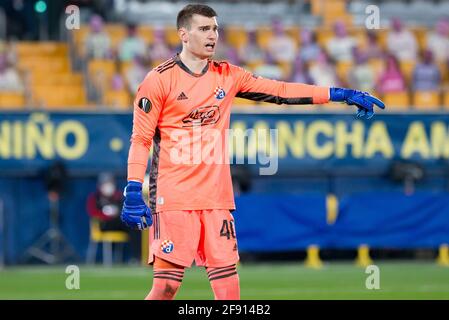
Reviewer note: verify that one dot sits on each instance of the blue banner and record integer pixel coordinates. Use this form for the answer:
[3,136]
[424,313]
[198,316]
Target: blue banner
[303,141]
[91,141]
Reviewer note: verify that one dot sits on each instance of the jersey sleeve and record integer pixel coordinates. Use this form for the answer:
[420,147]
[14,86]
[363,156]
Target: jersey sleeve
[260,89]
[147,108]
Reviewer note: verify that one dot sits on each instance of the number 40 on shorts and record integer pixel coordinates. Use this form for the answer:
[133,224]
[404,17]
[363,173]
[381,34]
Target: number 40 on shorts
[227,229]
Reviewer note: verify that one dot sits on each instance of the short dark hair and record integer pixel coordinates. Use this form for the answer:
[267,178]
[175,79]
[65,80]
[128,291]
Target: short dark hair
[189,10]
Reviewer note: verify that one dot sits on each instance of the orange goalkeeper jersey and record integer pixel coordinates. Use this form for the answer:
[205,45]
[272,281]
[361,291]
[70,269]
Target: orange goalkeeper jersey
[186,116]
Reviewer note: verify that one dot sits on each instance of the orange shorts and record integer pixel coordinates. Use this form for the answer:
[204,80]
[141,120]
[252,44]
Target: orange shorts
[206,236]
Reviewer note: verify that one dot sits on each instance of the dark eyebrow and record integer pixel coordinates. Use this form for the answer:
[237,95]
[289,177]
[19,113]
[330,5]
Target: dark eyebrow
[208,26]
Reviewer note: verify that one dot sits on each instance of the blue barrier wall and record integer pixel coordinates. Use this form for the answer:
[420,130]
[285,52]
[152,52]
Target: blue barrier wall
[279,222]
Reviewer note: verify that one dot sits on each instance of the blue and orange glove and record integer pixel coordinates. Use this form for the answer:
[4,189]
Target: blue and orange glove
[135,213]
[362,100]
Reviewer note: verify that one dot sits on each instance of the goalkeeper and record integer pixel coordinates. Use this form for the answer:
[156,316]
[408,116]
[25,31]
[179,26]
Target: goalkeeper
[191,201]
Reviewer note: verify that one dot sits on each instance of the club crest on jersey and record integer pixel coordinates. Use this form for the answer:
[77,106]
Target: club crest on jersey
[167,246]
[219,93]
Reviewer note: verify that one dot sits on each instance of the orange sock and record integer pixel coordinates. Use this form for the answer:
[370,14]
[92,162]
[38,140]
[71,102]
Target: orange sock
[166,283]
[224,282]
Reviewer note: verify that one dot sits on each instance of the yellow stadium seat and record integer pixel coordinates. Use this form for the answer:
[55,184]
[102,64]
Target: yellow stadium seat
[65,78]
[382,36]
[263,36]
[78,35]
[146,33]
[444,71]
[115,30]
[101,71]
[396,101]
[240,102]
[125,66]
[117,99]
[316,7]
[407,68]
[12,100]
[342,69]
[46,48]
[336,106]
[323,35]
[426,100]
[107,238]
[286,68]
[45,64]
[337,7]
[116,40]
[378,65]
[359,35]
[236,36]
[253,65]
[156,63]
[59,96]
[446,100]
[335,10]
[171,36]
[420,34]
[294,32]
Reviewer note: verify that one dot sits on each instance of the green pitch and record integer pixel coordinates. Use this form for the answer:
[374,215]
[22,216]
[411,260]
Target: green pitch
[399,280]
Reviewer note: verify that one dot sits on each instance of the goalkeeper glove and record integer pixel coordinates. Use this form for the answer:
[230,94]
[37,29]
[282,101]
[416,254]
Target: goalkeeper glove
[135,213]
[362,100]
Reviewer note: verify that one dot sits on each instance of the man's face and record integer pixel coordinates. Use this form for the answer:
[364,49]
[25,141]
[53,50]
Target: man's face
[202,36]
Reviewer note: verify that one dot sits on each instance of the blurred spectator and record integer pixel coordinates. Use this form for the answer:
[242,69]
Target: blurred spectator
[341,45]
[251,52]
[372,49]
[269,69]
[9,77]
[7,48]
[117,81]
[401,42]
[392,79]
[105,205]
[438,41]
[136,73]
[98,43]
[159,50]
[299,72]
[281,47]
[362,75]
[309,48]
[132,45]
[322,71]
[426,76]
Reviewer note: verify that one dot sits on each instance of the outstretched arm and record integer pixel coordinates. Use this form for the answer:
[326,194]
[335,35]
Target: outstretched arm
[279,92]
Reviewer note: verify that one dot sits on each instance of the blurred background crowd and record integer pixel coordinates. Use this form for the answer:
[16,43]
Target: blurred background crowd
[101,64]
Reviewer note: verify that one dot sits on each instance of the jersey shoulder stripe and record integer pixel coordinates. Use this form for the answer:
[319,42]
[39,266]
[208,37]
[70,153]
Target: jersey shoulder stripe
[166,67]
[164,64]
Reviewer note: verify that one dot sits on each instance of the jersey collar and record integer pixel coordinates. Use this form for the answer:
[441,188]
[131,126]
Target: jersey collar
[186,69]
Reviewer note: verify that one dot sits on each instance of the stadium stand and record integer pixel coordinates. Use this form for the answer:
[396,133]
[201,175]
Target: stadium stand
[89,85]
